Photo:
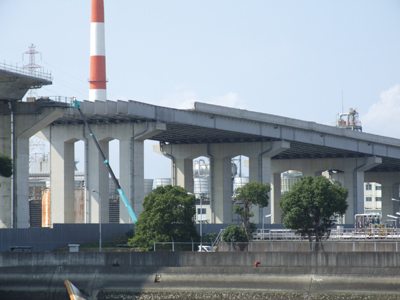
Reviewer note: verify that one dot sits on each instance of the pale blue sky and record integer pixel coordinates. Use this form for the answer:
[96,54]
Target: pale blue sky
[289,58]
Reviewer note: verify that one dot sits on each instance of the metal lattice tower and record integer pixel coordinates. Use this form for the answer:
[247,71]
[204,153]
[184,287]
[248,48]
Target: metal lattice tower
[32,66]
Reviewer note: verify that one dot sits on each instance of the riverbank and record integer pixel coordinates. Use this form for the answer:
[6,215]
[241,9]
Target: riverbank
[197,295]
[118,275]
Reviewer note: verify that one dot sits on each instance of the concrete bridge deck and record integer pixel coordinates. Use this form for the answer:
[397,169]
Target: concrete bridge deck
[207,123]
[274,144]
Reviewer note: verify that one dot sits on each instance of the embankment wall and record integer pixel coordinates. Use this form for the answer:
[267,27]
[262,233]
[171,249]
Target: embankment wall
[195,259]
[120,273]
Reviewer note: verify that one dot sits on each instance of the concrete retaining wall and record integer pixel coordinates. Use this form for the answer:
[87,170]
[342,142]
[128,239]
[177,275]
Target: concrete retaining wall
[195,259]
[116,273]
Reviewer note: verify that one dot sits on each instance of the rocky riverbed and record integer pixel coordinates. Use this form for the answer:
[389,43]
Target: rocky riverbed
[183,295]
[217,295]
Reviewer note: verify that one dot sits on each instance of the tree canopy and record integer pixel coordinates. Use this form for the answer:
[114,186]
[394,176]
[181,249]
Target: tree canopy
[235,234]
[5,165]
[310,204]
[167,214]
[252,193]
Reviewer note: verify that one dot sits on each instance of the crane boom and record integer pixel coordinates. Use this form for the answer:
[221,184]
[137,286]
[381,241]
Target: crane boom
[76,104]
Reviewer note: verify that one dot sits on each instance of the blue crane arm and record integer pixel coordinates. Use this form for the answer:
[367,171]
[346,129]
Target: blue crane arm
[127,206]
[76,104]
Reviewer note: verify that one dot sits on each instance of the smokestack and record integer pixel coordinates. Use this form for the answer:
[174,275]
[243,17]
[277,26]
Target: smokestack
[97,77]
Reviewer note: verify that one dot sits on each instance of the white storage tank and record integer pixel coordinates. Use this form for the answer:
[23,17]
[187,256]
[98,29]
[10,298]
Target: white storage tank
[201,186]
[239,182]
[148,186]
[163,181]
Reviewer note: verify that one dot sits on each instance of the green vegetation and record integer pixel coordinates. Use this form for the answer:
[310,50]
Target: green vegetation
[252,193]
[6,165]
[310,204]
[167,216]
[209,237]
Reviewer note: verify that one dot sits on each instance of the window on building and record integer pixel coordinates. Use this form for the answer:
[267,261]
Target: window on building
[368,198]
[368,187]
[378,187]
[378,198]
[201,212]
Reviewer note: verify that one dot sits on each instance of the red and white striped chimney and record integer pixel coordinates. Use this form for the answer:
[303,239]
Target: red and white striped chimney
[97,77]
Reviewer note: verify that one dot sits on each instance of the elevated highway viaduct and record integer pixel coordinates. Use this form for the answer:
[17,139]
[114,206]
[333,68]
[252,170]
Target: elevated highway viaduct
[273,144]
[18,122]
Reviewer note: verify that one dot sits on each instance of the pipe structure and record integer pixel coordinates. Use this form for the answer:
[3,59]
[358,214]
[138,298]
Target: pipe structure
[355,184]
[211,185]
[261,211]
[88,218]
[173,179]
[97,77]
[260,161]
[12,157]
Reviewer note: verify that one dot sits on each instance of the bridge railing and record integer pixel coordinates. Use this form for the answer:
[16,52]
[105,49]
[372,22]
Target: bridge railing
[332,246]
[306,246]
[39,73]
[336,234]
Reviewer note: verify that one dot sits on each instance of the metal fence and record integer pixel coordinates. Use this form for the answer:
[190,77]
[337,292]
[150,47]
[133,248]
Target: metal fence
[29,72]
[335,234]
[179,246]
[306,246]
[286,246]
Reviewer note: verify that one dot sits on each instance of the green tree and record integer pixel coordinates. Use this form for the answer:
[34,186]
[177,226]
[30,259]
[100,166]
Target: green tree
[209,237]
[252,193]
[167,214]
[235,234]
[6,165]
[309,206]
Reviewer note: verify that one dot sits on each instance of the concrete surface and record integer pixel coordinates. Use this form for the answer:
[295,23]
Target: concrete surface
[305,273]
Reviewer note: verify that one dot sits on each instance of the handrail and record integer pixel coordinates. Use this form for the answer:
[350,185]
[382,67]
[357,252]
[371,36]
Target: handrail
[218,238]
[24,71]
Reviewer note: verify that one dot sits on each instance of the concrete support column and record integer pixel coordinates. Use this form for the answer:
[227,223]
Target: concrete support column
[353,176]
[21,183]
[5,183]
[138,176]
[131,171]
[222,191]
[268,151]
[389,189]
[254,177]
[18,125]
[132,163]
[98,179]
[275,197]
[253,169]
[220,162]
[389,207]
[125,160]
[354,181]
[184,173]
[62,198]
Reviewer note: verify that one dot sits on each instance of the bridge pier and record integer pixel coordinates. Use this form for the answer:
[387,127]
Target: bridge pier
[220,155]
[131,137]
[350,174]
[62,168]
[18,124]
[390,189]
